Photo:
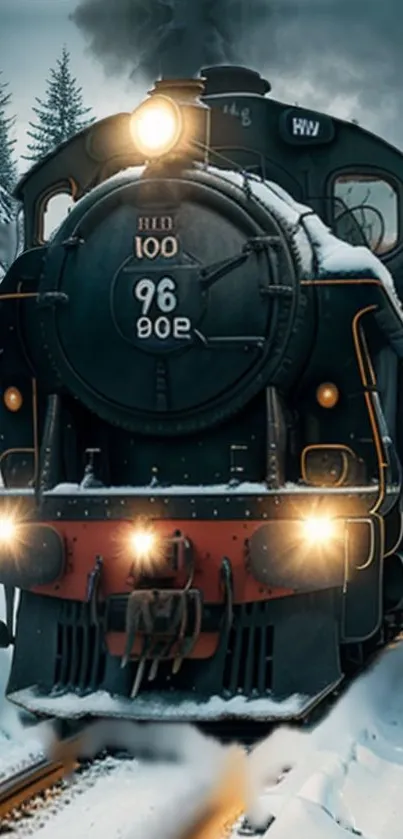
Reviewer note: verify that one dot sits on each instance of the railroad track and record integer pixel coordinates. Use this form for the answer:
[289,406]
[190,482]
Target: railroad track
[35,778]
[213,821]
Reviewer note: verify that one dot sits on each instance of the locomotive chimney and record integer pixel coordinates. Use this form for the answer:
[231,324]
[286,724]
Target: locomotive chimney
[186,91]
[224,79]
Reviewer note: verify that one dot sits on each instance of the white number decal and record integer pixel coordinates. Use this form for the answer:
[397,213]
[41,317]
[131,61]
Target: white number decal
[181,328]
[145,291]
[163,295]
[151,247]
[166,300]
[144,327]
[243,115]
[163,328]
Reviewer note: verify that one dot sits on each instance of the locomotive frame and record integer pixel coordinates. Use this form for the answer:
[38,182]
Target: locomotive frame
[267,629]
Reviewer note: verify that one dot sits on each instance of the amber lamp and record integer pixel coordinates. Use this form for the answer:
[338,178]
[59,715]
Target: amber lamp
[12,399]
[327,395]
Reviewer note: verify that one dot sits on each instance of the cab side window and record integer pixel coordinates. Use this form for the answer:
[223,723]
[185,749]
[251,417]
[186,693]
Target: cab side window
[56,210]
[365,212]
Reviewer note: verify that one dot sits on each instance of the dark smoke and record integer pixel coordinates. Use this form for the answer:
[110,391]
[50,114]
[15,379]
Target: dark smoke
[153,37]
[317,52]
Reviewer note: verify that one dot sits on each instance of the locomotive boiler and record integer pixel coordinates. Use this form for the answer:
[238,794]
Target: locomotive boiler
[201,501]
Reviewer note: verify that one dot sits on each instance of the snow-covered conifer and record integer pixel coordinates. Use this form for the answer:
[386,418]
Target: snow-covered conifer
[61,114]
[8,168]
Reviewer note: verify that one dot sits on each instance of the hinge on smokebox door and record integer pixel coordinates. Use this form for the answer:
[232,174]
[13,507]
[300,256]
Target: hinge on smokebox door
[165,617]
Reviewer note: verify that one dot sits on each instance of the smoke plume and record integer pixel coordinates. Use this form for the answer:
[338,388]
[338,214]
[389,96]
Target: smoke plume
[343,56]
[153,37]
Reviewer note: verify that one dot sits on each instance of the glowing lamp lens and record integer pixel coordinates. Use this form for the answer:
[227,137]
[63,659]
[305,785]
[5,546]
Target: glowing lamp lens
[327,395]
[319,531]
[142,543]
[12,399]
[7,531]
[156,126]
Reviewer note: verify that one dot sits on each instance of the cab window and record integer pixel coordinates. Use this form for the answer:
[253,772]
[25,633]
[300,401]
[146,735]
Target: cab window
[365,212]
[57,208]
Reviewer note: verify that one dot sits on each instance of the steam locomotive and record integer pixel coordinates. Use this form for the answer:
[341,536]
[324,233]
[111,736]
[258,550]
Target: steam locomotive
[201,507]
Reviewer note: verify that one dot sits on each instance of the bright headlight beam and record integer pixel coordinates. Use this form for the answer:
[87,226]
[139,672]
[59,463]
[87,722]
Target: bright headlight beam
[156,126]
[7,530]
[142,543]
[318,531]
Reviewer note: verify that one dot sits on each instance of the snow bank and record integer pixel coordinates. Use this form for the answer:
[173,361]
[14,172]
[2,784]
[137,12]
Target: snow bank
[10,725]
[347,774]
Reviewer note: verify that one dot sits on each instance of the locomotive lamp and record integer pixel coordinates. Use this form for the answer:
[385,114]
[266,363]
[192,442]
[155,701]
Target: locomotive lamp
[145,548]
[142,543]
[173,121]
[12,399]
[7,531]
[319,531]
[156,126]
[327,395]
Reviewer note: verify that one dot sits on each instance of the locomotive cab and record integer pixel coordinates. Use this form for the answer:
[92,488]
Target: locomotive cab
[200,468]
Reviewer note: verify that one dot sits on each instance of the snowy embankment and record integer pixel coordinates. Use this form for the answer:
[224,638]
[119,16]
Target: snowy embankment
[9,721]
[346,775]
[18,746]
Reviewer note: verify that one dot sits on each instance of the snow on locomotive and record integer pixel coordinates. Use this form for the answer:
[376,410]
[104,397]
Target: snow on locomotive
[201,487]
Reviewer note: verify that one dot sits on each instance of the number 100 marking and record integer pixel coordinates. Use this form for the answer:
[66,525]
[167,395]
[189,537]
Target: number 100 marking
[151,247]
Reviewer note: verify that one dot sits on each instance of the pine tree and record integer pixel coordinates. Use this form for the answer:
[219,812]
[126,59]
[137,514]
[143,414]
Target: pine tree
[8,168]
[61,115]
[7,206]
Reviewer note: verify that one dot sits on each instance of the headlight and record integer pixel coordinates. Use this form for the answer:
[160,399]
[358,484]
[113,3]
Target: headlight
[319,531]
[8,531]
[142,542]
[146,547]
[156,126]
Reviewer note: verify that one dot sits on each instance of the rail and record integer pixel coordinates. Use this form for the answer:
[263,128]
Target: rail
[22,786]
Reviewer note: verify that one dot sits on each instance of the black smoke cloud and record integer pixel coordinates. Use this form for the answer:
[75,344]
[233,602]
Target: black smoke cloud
[153,37]
[344,51]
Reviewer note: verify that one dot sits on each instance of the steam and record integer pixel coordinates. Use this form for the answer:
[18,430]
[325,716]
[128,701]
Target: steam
[336,55]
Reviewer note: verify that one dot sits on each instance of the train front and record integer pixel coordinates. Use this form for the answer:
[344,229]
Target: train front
[204,530]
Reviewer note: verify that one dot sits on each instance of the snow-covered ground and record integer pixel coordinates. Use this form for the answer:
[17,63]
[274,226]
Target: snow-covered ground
[18,746]
[345,776]
[9,719]
[347,773]
[132,799]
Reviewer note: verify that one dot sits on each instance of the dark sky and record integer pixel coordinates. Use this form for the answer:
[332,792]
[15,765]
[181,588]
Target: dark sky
[350,49]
